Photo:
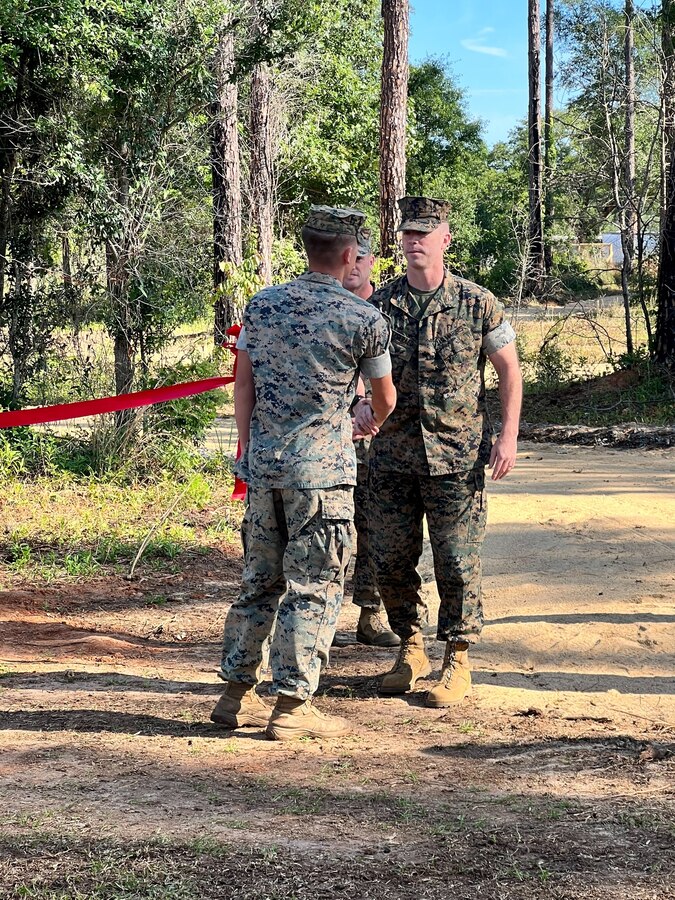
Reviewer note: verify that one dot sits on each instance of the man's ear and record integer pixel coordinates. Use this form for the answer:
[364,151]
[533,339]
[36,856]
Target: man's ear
[349,255]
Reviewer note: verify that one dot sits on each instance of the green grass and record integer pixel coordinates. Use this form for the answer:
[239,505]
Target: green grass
[71,528]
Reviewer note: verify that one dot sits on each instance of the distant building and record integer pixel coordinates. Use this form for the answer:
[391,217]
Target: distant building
[597,255]
[650,244]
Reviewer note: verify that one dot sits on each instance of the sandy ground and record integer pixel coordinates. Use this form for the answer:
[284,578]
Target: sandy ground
[555,778]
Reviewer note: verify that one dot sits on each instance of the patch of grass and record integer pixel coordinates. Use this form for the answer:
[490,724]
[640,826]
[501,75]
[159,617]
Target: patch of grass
[299,801]
[80,563]
[210,846]
[337,767]
[515,872]
[557,809]
[469,727]
[408,811]
[19,557]
[60,528]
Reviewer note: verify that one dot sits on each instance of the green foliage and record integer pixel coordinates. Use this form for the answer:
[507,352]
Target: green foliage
[31,452]
[189,417]
[241,282]
[287,261]
[575,275]
[501,217]
[328,152]
[446,154]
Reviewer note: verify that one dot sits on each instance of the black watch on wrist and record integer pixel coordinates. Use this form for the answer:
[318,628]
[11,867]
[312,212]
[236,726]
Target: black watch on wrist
[357,399]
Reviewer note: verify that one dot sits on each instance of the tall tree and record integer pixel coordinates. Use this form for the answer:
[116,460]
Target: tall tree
[226,180]
[262,185]
[548,139]
[535,261]
[393,119]
[667,95]
[664,344]
[39,158]
[628,231]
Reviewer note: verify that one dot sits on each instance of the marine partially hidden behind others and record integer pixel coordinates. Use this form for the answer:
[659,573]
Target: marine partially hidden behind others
[300,351]
[429,457]
[371,628]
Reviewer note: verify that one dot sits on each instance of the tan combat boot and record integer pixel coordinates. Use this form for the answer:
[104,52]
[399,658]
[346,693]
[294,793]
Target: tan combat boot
[412,663]
[371,630]
[455,681]
[293,718]
[241,707]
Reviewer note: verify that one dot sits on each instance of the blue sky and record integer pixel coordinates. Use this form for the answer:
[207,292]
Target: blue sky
[485,42]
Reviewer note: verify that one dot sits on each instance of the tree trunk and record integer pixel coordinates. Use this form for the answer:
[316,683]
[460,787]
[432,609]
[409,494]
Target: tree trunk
[66,268]
[535,269]
[262,190]
[630,213]
[9,159]
[19,331]
[6,175]
[117,282]
[226,186]
[667,96]
[664,341]
[393,119]
[548,140]
[122,328]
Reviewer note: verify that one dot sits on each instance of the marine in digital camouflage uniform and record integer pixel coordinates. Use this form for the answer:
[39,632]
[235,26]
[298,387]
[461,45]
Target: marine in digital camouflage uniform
[430,456]
[301,348]
[371,628]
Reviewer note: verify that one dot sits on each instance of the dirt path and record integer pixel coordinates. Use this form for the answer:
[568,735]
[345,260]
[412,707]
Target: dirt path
[555,779]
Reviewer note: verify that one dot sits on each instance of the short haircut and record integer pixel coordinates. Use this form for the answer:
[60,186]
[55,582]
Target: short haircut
[325,247]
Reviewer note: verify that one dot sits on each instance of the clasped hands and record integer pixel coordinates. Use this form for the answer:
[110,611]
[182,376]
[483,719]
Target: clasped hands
[363,422]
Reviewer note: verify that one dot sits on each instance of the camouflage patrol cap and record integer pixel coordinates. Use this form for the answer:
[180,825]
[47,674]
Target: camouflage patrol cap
[363,241]
[333,220]
[422,213]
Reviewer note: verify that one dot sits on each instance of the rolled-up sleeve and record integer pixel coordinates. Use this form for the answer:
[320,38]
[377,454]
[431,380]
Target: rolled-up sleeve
[497,332]
[372,348]
[241,340]
[498,338]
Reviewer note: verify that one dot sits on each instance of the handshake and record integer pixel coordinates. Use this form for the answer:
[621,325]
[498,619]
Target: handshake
[363,420]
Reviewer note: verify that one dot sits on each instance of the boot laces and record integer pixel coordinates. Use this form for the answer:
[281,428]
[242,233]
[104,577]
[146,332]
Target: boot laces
[449,668]
[405,650]
[376,623]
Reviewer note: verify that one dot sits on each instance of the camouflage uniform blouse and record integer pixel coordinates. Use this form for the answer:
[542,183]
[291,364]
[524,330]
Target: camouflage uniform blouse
[307,340]
[440,425]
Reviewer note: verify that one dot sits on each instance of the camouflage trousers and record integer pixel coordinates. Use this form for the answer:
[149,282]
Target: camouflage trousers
[456,511]
[297,546]
[366,592]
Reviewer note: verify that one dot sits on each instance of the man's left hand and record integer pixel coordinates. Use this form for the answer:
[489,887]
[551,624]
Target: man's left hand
[503,456]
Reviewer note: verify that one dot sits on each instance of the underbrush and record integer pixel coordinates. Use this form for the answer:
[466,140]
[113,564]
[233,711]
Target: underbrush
[61,524]
[558,390]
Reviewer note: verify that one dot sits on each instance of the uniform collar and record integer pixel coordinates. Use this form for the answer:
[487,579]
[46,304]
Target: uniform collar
[319,278]
[444,298]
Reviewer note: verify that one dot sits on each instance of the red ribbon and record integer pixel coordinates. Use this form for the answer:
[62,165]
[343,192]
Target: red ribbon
[61,411]
[239,492]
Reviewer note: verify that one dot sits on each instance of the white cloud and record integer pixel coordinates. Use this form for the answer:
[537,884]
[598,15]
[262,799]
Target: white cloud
[477,44]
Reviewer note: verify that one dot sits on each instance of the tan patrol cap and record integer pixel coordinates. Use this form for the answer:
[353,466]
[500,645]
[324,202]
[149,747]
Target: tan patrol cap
[422,213]
[363,241]
[334,220]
